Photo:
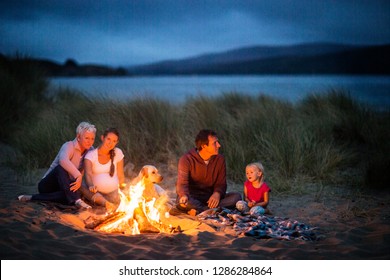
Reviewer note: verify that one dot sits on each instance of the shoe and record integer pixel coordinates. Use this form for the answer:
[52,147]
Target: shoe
[24,197]
[81,204]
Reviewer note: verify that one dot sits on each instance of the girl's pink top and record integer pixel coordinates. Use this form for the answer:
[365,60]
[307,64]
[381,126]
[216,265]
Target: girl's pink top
[256,194]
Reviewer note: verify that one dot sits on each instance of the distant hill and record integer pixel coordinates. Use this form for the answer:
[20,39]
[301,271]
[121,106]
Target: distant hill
[319,58]
[296,59]
[69,69]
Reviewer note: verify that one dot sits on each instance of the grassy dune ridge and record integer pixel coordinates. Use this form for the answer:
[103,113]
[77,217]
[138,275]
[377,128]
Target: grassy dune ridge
[326,139]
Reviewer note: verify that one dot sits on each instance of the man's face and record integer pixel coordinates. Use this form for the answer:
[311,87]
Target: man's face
[213,147]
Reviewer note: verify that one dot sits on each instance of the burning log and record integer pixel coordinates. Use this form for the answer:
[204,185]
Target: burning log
[92,221]
[143,223]
[113,224]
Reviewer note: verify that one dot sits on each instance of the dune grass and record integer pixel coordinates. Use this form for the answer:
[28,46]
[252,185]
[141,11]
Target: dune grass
[326,139]
[22,92]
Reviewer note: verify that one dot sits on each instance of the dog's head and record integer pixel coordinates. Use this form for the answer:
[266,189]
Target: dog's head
[150,173]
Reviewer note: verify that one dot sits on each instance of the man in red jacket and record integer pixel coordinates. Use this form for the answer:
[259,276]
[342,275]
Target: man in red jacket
[201,182]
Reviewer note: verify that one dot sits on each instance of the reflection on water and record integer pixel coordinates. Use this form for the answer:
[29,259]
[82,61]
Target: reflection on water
[372,89]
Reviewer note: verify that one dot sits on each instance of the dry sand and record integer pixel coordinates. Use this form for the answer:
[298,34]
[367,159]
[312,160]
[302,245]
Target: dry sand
[353,226]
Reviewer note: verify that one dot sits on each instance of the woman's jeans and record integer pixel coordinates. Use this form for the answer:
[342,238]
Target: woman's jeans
[55,186]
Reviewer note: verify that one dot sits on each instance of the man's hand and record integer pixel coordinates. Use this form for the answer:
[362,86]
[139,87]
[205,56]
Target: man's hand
[214,200]
[76,184]
[183,201]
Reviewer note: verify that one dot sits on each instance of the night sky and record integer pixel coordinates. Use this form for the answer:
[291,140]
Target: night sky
[122,33]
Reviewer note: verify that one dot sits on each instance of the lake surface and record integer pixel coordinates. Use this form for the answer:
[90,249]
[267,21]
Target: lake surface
[374,90]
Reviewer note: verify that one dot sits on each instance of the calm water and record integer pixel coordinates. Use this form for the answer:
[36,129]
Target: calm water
[372,89]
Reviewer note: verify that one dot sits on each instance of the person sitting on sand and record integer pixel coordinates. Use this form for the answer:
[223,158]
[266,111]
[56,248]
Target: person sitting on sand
[62,181]
[256,191]
[104,172]
[201,182]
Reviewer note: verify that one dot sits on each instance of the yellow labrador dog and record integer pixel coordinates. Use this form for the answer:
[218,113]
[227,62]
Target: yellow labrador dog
[151,177]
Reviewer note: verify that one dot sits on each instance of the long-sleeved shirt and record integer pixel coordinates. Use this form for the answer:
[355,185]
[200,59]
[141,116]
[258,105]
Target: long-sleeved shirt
[69,157]
[200,180]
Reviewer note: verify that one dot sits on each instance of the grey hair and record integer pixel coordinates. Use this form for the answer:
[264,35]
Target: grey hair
[84,127]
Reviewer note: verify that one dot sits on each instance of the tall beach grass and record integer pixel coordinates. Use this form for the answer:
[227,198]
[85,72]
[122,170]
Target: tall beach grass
[326,139]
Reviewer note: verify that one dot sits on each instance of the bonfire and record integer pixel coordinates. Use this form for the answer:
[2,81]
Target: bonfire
[134,215]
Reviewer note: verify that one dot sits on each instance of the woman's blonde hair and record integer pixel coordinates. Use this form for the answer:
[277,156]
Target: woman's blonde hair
[259,166]
[84,127]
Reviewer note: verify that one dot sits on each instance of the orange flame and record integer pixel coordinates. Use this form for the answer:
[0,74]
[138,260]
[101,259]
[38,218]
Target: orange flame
[125,220]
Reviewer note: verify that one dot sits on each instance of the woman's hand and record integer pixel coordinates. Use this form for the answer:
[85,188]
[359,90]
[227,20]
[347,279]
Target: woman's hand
[93,189]
[74,186]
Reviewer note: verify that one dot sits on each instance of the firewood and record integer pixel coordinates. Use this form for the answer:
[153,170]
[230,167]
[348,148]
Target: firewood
[143,223]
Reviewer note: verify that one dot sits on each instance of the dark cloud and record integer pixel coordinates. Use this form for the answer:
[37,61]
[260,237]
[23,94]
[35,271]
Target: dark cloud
[132,32]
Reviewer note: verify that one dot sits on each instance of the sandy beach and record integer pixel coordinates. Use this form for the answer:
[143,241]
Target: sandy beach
[351,226]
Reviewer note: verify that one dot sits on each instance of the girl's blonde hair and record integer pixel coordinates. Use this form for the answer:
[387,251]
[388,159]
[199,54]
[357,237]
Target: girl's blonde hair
[259,166]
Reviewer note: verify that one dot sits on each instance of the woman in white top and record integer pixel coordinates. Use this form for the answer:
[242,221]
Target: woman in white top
[104,172]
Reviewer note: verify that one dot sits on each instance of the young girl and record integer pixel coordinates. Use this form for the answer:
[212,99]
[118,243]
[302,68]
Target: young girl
[256,191]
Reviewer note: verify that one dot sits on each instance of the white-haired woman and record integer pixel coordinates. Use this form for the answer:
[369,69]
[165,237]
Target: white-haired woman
[63,179]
